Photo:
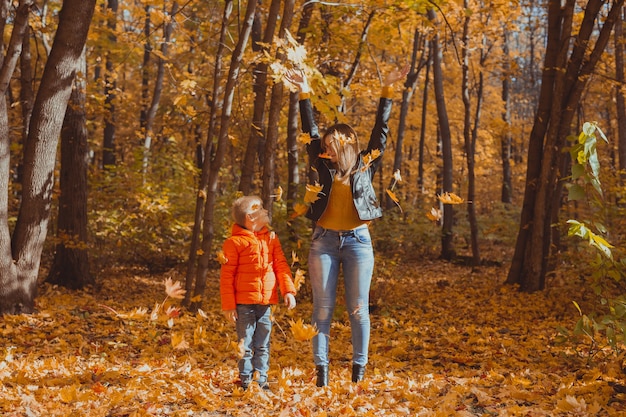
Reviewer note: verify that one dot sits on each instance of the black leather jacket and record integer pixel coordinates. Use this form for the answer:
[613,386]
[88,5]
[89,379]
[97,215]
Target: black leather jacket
[363,193]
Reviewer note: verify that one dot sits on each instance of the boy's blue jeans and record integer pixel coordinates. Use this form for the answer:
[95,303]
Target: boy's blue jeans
[254,326]
[352,250]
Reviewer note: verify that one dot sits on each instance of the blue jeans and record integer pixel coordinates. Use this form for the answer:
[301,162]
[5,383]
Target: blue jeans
[254,326]
[352,250]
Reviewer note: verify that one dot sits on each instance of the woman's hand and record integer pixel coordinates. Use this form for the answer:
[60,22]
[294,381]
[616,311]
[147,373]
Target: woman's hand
[396,75]
[297,78]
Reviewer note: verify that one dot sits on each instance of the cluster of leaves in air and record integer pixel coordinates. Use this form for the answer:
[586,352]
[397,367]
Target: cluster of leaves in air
[609,321]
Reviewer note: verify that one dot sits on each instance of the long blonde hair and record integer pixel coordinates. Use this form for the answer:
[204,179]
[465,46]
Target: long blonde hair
[344,142]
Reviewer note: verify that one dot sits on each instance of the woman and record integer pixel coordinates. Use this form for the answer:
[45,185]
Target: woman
[345,206]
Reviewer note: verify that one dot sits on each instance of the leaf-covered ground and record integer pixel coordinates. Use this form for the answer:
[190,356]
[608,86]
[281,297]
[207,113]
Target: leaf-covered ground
[446,341]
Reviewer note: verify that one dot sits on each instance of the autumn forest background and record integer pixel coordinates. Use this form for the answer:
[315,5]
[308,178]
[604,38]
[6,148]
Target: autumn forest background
[128,127]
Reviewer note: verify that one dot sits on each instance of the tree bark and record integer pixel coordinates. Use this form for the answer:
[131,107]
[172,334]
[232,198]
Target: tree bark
[620,101]
[507,140]
[110,85]
[447,235]
[70,267]
[19,266]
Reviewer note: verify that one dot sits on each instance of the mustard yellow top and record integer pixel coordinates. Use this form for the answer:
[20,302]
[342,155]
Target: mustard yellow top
[340,213]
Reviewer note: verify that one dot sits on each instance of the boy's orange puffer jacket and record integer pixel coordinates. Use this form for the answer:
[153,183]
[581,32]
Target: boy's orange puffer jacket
[254,264]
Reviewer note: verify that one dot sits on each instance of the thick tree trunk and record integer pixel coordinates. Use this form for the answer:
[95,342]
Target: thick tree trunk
[222,142]
[19,268]
[562,84]
[70,267]
[447,236]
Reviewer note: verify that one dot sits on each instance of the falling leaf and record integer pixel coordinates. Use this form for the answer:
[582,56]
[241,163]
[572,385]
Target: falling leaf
[304,138]
[396,176]
[298,279]
[312,191]
[299,209]
[278,193]
[221,258]
[450,198]
[174,289]
[434,214]
[239,348]
[394,198]
[302,331]
[324,155]
[172,311]
[294,258]
[369,158]
[154,316]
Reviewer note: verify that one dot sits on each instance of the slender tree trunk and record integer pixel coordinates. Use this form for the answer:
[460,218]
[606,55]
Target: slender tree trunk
[110,85]
[19,268]
[505,150]
[619,95]
[70,267]
[276,105]
[158,86]
[206,163]
[420,158]
[145,69]
[564,79]
[407,95]
[447,236]
[222,142]
[256,141]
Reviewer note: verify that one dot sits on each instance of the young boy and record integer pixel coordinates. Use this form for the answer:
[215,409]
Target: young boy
[253,267]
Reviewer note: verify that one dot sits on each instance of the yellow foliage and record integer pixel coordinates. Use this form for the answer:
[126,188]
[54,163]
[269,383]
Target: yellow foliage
[302,331]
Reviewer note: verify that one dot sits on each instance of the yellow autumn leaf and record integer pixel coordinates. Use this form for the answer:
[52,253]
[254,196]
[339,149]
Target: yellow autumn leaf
[302,331]
[396,176]
[221,258]
[370,157]
[278,193]
[434,214]
[299,209]
[238,347]
[178,341]
[392,195]
[312,191]
[304,138]
[174,289]
[450,198]
[298,279]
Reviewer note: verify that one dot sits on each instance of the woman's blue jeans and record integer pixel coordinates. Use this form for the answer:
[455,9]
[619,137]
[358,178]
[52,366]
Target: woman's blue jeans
[254,326]
[352,251]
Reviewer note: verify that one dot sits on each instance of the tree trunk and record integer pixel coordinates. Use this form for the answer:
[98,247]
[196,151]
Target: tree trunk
[158,87]
[108,145]
[620,101]
[206,163]
[145,69]
[505,150]
[563,81]
[19,265]
[276,105]
[420,157]
[215,165]
[407,95]
[70,267]
[447,248]
[256,141]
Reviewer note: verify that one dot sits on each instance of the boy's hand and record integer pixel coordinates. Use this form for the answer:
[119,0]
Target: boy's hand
[290,301]
[231,315]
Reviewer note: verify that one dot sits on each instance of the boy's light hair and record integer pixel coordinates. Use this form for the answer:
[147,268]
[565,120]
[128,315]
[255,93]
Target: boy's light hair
[244,206]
